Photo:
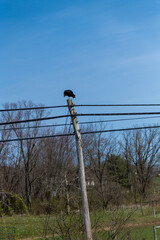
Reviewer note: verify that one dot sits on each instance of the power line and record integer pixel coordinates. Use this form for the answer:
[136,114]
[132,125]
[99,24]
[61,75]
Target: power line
[118,120]
[69,124]
[30,108]
[40,126]
[121,129]
[83,133]
[33,120]
[81,115]
[81,105]
[39,137]
[116,114]
[119,105]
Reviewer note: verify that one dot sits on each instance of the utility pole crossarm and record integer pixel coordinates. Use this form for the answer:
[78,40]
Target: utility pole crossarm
[85,206]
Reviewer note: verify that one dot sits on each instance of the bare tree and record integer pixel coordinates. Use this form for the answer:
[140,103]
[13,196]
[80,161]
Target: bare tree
[97,149]
[4,153]
[141,148]
[26,152]
[58,166]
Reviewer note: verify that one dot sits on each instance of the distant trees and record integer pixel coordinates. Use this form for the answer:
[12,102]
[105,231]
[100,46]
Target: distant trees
[132,167]
[26,154]
[46,169]
[117,170]
[34,168]
[6,167]
[58,166]
[141,150]
[99,150]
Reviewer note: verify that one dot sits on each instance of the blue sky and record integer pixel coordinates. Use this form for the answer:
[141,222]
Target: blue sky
[106,51]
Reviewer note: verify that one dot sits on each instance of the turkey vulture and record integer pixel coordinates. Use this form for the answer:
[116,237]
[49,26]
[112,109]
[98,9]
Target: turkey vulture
[69,93]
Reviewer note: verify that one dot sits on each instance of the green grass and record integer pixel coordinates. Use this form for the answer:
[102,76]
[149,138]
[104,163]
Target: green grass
[140,233]
[32,226]
[144,233]
[25,226]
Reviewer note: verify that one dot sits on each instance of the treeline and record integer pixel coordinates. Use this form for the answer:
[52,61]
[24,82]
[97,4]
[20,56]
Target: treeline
[44,173]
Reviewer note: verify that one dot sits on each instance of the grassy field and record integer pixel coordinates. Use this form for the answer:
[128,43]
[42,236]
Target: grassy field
[31,227]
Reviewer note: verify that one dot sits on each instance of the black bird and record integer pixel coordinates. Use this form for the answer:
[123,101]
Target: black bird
[69,93]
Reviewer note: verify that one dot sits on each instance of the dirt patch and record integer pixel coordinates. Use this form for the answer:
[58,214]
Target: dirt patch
[134,225]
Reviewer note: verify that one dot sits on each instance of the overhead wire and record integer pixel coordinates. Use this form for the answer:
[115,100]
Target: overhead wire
[119,105]
[38,137]
[81,123]
[81,105]
[117,120]
[81,115]
[115,114]
[83,133]
[121,129]
[39,126]
[66,124]
[33,120]
[31,108]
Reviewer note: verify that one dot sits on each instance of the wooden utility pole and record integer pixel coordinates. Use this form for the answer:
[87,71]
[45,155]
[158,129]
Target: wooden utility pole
[85,206]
